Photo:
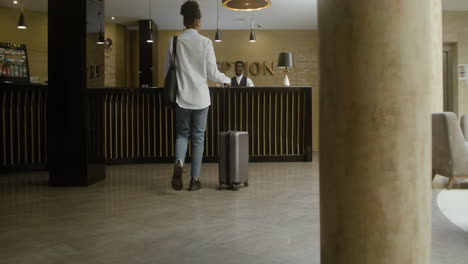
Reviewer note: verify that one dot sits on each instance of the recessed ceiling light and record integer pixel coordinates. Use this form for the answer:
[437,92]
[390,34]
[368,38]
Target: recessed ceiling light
[15,2]
[112,18]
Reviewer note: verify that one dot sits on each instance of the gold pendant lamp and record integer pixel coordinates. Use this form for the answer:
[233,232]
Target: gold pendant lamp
[246,5]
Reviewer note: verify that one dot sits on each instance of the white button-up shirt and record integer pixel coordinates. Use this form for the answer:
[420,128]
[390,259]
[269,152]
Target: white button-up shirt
[196,63]
[249,81]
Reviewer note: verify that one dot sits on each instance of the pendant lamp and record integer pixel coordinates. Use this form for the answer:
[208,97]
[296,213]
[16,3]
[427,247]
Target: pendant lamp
[101,40]
[149,37]
[21,21]
[252,32]
[218,34]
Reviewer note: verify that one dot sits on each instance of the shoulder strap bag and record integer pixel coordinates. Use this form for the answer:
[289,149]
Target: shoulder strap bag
[170,83]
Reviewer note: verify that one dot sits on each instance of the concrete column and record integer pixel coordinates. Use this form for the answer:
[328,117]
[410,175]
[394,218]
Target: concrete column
[378,63]
[437,44]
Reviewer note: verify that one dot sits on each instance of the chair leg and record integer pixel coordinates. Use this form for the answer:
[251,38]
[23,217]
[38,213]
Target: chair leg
[450,183]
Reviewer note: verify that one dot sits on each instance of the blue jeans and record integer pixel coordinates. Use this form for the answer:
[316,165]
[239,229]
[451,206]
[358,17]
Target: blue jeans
[191,123]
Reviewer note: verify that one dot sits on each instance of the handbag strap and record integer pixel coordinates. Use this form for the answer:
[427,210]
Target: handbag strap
[174,51]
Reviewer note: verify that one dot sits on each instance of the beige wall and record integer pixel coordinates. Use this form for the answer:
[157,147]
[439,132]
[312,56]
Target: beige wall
[235,46]
[115,59]
[455,30]
[94,62]
[35,37]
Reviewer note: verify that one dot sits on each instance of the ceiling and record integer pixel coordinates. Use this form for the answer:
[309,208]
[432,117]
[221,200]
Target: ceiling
[283,14]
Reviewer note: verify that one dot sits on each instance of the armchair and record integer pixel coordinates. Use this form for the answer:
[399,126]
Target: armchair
[464,126]
[449,149]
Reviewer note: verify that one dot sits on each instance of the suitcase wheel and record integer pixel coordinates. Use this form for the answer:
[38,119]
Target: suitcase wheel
[235,187]
[246,184]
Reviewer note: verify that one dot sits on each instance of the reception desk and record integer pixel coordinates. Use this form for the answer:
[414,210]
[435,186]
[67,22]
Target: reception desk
[23,141]
[132,125]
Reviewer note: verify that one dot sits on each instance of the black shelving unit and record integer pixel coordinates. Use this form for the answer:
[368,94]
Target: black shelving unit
[14,65]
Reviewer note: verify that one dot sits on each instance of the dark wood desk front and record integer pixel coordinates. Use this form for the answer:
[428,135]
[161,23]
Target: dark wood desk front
[132,126]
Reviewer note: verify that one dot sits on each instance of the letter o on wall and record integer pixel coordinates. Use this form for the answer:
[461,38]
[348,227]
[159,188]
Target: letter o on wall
[254,68]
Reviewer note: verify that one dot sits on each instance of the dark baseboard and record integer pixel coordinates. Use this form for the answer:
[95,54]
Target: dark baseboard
[22,168]
[123,161]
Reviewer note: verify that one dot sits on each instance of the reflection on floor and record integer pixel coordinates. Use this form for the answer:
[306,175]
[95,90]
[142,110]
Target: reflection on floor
[135,217]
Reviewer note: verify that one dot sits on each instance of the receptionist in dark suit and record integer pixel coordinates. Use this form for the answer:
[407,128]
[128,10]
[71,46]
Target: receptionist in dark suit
[240,79]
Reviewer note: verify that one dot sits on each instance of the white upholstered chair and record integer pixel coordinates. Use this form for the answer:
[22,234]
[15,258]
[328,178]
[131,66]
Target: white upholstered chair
[449,149]
[464,126]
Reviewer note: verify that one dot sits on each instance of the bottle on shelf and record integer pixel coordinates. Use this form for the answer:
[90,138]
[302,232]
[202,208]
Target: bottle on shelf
[14,72]
[8,70]
[18,71]
[25,71]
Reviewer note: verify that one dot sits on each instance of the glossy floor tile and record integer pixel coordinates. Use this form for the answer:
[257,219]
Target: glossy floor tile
[135,217]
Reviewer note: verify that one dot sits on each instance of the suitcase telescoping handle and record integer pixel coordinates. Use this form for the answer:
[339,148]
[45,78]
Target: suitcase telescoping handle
[226,93]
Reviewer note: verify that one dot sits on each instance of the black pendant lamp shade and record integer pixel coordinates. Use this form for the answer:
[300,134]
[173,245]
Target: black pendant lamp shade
[252,36]
[21,21]
[218,36]
[149,37]
[101,39]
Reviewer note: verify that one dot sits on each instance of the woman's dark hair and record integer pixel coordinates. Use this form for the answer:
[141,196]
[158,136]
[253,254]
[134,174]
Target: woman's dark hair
[191,11]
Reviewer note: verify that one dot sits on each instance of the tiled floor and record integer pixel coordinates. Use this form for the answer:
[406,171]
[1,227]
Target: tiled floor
[135,217]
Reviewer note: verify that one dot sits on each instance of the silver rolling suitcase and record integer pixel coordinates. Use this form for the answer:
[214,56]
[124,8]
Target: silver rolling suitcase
[233,159]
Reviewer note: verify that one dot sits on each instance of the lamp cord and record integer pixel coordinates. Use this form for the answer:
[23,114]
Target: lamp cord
[99,17]
[149,9]
[252,20]
[150,22]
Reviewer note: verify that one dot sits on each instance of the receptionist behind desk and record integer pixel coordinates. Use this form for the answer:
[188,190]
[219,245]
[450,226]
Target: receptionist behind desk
[240,79]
